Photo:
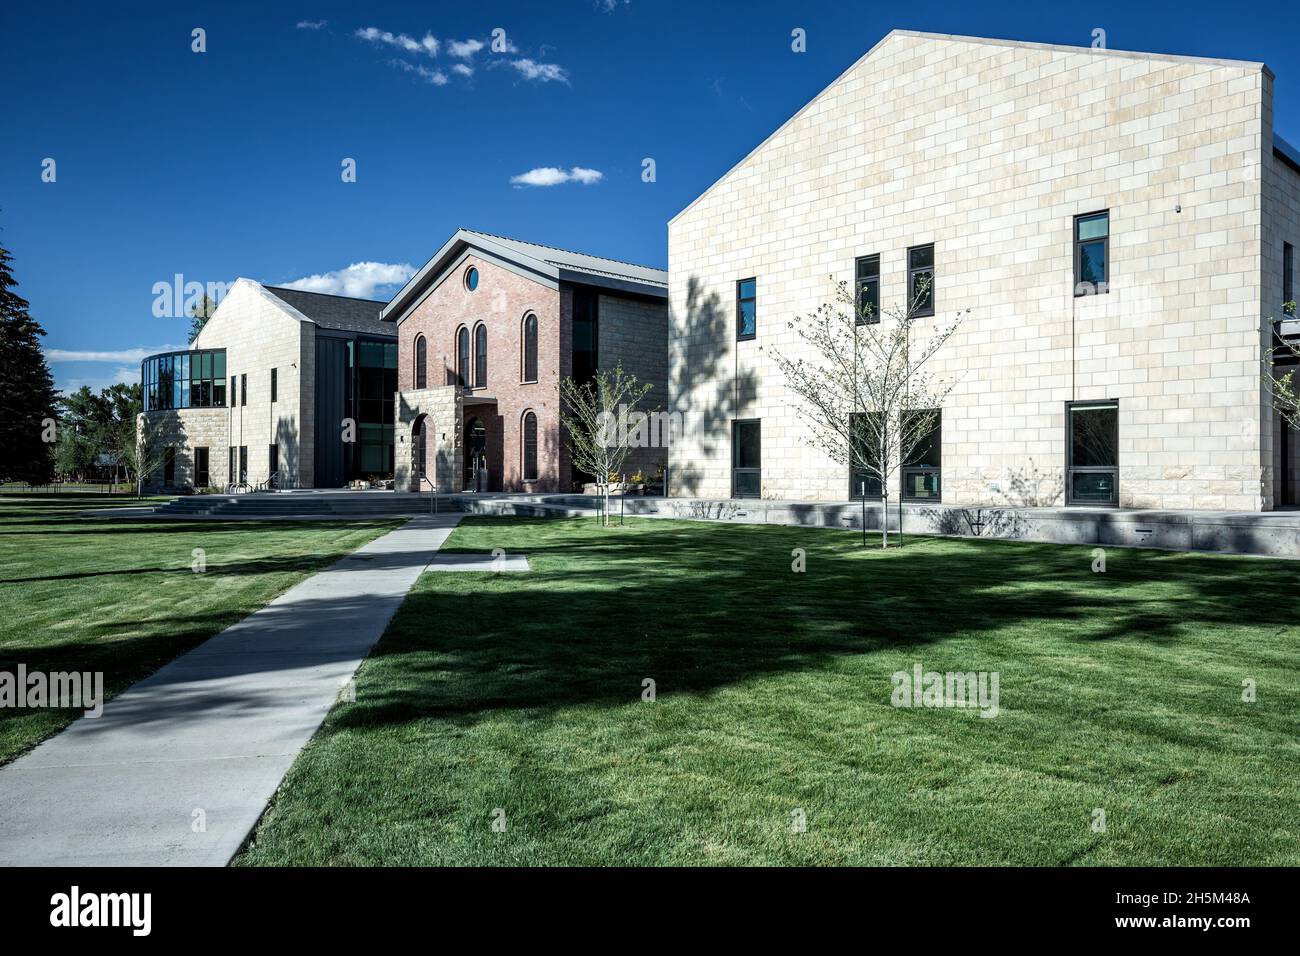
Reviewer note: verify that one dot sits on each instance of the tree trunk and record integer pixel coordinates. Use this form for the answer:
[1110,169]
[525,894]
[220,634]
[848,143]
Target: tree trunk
[884,518]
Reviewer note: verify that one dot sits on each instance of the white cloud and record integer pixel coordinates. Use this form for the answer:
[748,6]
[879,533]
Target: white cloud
[119,355]
[428,44]
[436,77]
[464,49]
[553,176]
[463,69]
[311,24]
[542,72]
[359,280]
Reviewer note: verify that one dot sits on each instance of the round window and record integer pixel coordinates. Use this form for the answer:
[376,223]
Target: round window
[471,278]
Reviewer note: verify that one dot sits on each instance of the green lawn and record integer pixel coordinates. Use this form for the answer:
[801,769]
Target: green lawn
[120,596]
[522,692]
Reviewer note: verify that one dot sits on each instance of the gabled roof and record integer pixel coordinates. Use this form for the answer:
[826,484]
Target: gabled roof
[955,38]
[545,264]
[335,311]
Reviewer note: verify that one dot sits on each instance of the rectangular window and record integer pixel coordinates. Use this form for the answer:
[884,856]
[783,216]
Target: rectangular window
[746,309]
[864,482]
[243,389]
[272,460]
[920,280]
[924,466]
[169,466]
[243,464]
[1092,253]
[746,458]
[234,391]
[1092,453]
[1288,278]
[201,468]
[867,282]
[231,475]
[274,385]
[586,335]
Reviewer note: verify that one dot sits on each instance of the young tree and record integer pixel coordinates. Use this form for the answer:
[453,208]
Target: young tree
[1279,373]
[144,451]
[27,396]
[864,387]
[596,415]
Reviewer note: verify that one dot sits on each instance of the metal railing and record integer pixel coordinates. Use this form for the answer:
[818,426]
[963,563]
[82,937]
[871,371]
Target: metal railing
[421,478]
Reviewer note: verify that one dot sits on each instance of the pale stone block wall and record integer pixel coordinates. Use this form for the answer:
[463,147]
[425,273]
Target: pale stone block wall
[259,332]
[634,332]
[186,429]
[444,457]
[989,151]
[1281,224]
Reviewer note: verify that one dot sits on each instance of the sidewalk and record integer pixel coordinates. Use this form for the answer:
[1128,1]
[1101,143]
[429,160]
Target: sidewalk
[179,767]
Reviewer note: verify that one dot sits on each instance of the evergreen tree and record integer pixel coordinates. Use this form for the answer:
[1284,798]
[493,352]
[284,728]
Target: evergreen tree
[27,396]
[200,312]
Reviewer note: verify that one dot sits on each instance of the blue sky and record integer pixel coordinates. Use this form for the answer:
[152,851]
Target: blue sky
[226,163]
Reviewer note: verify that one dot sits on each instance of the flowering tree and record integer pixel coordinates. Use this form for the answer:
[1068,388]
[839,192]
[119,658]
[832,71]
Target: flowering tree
[863,384]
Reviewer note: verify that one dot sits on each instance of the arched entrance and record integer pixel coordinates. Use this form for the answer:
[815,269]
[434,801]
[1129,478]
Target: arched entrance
[419,446]
[476,476]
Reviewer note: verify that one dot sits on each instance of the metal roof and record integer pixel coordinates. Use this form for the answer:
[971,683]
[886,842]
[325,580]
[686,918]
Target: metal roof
[545,264]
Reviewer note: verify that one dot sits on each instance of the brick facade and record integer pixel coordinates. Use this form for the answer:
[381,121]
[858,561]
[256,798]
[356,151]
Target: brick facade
[631,330]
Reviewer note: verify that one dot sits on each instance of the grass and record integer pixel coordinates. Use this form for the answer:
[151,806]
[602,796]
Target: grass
[522,693]
[119,596]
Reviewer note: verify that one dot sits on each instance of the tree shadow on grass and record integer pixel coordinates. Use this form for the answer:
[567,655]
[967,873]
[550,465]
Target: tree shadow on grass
[701,608]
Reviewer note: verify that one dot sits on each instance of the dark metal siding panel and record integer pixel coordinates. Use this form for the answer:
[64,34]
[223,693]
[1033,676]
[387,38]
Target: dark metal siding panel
[331,381]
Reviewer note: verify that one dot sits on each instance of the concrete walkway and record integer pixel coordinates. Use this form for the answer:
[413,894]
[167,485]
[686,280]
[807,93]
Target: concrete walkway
[178,768]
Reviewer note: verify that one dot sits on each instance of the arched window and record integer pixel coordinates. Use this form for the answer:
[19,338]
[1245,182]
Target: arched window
[530,446]
[462,357]
[480,356]
[421,362]
[530,348]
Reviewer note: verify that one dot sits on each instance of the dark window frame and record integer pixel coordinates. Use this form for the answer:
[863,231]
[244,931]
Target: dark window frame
[860,282]
[528,348]
[234,390]
[275,385]
[480,355]
[907,470]
[1288,276]
[462,356]
[243,389]
[913,272]
[1082,288]
[859,478]
[741,334]
[1070,468]
[202,468]
[736,470]
[529,446]
[421,361]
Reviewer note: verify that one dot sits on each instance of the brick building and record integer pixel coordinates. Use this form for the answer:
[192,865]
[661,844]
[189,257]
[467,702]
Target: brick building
[486,330]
